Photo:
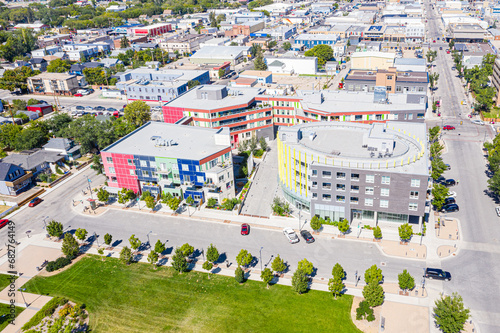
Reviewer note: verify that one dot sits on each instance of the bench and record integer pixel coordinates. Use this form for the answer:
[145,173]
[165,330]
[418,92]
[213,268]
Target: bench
[39,268]
[382,323]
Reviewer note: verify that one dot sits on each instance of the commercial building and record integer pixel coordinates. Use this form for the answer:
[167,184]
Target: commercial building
[260,76]
[281,32]
[372,60]
[292,64]
[245,29]
[150,30]
[311,40]
[368,174]
[53,84]
[218,55]
[184,44]
[395,81]
[166,158]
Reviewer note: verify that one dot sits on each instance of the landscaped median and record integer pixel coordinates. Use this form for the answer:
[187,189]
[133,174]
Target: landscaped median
[139,298]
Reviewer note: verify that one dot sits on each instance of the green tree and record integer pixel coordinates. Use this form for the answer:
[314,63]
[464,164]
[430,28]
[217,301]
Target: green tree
[450,313]
[338,271]
[435,149]
[373,294]
[173,203]
[126,255]
[103,195]
[193,83]
[179,262]
[59,66]
[300,281]
[377,233]
[336,286]
[278,265]
[137,113]
[405,232]
[212,254]
[494,183]
[406,281]
[95,76]
[263,144]
[438,167]
[211,202]
[153,258]
[150,202]
[222,72]
[287,46]
[259,63]
[244,258]
[190,200]
[96,164]
[373,274]
[70,246]
[108,239]
[267,276]
[135,243]
[343,226]
[207,265]
[433,79]
[451,43]
[239,275]
[55,229]
[439,194]
[187,249]
[306,266]
[323,52]
[16,78]
[364,312]
[315,223]
[124,42]
[159,247]
[18,105]
[431,56]
[81,234]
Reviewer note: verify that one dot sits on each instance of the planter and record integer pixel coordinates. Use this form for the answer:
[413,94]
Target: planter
[404,293]
[378,240]
[341,236]
[403,243]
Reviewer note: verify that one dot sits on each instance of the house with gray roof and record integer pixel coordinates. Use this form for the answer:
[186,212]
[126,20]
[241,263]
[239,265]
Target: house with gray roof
[65,147]
[36,161]
[13,179]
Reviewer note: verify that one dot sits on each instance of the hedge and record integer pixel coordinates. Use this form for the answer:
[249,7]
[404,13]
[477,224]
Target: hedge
[47,310]
[57,264]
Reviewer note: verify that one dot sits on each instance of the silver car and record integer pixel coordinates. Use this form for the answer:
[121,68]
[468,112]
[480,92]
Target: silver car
[291,235]
[477,122]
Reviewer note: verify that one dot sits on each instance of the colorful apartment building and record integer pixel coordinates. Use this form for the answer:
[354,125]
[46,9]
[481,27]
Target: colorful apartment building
[168,158]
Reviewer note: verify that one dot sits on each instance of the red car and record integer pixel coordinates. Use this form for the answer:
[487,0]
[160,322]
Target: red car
[245,229]
[3,223]
[448,51]
[448,127]
[35,202]
[78,95]
[434,41]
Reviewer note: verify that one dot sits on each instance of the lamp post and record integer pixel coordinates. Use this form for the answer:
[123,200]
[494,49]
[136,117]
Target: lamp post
[45,224]
[95,237]
[300,215]
[356,278]
[90,187]
[260,254]
[150,232]
[21,290]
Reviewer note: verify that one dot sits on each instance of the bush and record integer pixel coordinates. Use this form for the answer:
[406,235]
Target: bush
[239,275]
[230,203]
[47,310]
[364,312]
[377,233]
[212,202]
[58,264]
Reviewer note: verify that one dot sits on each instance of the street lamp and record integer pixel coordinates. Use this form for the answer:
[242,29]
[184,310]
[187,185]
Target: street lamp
[356,278]
[261,257]
[45,224]
[95,237]
[300,215]
[150,232]
[90,187]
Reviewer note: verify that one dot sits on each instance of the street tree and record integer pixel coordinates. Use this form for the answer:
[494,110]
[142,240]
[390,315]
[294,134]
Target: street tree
[377,232]
[338,271]
[287,46]
[433,79]
[406,281]
[373,294]
[135,243]
[137,113]
[306,266]
[336,286]
[108,239]
[159,247]
[373,274]
[405,232]
[70,247]
[450,313]
[494,183]
[431,56]
[451,43]
[323,52]
[212,254]
[434,133]
[55,229]
[190,200]
[436,149]
[207,265]
[278,265]
[187,249]
[103,195]
[244,258]
[439,194]
[438,168]
[126,255]
[81,234]
[259,64]
[179,262]
[150,202]
[315,223]
[364,312]
[239,275]
[263,144]
[267,276]
[343,226]
[153,258]
[300,281]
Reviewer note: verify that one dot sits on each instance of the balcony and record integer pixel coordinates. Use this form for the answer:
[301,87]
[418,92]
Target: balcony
[19,180]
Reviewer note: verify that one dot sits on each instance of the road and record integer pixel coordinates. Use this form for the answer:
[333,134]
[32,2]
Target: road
[475,270]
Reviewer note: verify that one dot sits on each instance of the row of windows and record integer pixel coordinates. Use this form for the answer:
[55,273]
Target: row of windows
[368,201]
[384,192]
[386,180]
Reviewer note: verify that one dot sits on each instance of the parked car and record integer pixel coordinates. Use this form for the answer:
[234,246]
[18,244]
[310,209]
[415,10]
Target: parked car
[440,47]
[450,208]
[477,122]
[78,95]
[111,109]
[291,235]
[89,108]
[79,108]
[34,202]
[448,167]
[437,273]
[307,236]
[245,229]
[100,108]
[449,200]
[448,51]
[3,223]
[497,209]
[448,127]
[452,194]
[449,182]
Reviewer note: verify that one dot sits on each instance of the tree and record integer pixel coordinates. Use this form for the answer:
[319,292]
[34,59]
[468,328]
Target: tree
[150,202]
[373,294]
[450,313]
[18,105]
[406,281]
[137,113]
[267,276]
[300,281]
[451,43]
[338,271]
[81,234]
[278,265]
[135,243]
[179,262]
[263,144]
[343,226]
[95,76]
[208,266]
[259,63]
[434,133]
[377,233]
[124,42]
[494,183]
[97,164]
[364,312]
[435,149]
[405,232]
[212,254]
[193,83]
[244,258]
[433,79]
[186,250]
[438,167]
[107,239]
[159,247]
[306,266]
[126,255]
[211,202]
[287,46]
[431,56]
[103,195]
[323,52]
[59,66]
[373,274]
[336,286]
[222,72]
[271,44]
[239,275]
[190,200]
[70,246]
[55,229]
[153,258]
[439,194]
[315,223]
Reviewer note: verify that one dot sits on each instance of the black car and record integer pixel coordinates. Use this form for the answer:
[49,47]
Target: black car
[449,200]
[450,208]
[100,108]
[447,182]
[307,236]
[436,273]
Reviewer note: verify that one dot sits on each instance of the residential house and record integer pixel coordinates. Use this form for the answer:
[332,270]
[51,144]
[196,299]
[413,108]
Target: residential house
[65,147]
[13,179]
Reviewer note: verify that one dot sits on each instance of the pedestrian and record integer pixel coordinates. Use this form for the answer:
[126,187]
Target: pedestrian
[458,181]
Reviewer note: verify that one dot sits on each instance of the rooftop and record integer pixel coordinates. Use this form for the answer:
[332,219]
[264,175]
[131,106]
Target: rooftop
[365,75]
[169,140]
[220,52]
[53,76]
[29,159]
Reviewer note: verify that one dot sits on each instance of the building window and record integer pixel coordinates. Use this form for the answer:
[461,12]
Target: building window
[199,179]
[413,194]
[384,203]
[185,167]
[314,173]
[354,200]
[144,163]
[109,159]
[370,178]
[111,170]
[114,180]
[413,206]
[132,172]
[398,89]
[386,180]
[340,198]
[314,184]
[389,77]
[415,183]
[327,197]
[340,187]
[327,174]
[327,186]
[389,88]
[130,162]
[384,192]
[354,188]
[315,195]
[355,176]
[369,190]
[368,202]
[340,175]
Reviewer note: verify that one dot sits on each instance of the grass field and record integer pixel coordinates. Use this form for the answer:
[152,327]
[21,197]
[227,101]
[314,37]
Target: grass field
[5,280]
[138,298]
[4,311]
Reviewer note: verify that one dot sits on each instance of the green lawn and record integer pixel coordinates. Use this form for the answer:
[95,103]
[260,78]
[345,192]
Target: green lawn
[5,280]
[4,311]
[137,298]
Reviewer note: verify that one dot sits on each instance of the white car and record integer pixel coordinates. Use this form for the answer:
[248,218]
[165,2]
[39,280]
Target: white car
[497,209]
[452,194]
[291,235]
[477,122]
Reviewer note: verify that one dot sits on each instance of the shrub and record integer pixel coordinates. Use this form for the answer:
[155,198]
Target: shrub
[377,233]
[66,310]
[239,275]
[229,204]
[47,310]
[57,264]
[364,312]
[212,202]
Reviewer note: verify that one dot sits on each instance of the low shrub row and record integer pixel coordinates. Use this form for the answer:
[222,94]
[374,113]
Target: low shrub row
[57,264]
[47,310]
